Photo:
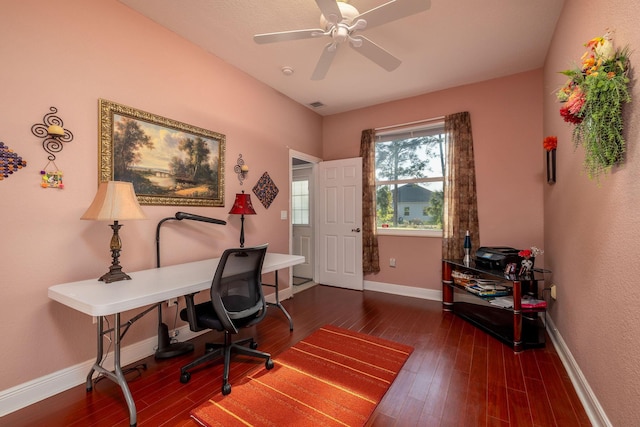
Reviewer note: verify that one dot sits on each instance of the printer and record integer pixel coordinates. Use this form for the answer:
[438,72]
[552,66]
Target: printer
[496,257]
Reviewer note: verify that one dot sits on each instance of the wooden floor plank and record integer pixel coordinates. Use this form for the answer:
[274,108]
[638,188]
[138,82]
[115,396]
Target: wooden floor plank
[456,376]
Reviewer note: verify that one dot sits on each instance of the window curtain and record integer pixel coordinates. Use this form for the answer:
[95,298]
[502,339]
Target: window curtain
[460,199]
[370,255]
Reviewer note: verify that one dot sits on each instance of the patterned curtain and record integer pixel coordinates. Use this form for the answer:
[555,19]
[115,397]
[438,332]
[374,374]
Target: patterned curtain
[460,199]
[370,256]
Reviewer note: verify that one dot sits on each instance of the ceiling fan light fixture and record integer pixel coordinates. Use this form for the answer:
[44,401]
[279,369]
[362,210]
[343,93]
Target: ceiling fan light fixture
[348,14]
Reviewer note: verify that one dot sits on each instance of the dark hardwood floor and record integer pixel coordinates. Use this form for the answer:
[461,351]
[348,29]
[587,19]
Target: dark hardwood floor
[456,376]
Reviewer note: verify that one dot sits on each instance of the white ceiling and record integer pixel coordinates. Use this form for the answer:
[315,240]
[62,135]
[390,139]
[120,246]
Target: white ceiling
[453,43]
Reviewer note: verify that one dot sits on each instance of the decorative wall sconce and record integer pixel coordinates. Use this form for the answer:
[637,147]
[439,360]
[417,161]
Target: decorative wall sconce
[551,166]
[550,144]
[241,169]
[53,135]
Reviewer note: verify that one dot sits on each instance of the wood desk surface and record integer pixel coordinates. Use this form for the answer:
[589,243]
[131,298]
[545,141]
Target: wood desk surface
[151,286]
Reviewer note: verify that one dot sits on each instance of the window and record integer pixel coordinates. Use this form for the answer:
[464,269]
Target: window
[410,169]
[300,202]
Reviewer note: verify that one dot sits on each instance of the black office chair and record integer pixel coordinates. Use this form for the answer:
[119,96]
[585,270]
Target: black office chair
[236,302]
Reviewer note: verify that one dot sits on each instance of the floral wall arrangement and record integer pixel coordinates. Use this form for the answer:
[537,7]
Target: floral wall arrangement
[592,100]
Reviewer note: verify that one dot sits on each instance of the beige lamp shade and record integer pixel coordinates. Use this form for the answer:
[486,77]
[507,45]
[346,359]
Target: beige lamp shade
[114,201]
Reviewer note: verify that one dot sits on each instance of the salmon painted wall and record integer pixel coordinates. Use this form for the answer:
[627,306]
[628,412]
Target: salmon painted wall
[506,119]
[591,229]
[68,54]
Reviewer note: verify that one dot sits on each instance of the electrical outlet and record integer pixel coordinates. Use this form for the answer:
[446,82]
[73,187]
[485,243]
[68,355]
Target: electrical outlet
[174,333]
[392,262]
[553,292]
[172,301]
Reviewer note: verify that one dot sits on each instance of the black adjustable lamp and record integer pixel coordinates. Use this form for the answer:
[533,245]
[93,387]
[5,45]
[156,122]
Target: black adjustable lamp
[166,348]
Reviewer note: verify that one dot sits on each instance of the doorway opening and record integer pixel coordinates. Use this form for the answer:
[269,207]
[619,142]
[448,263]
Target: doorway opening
[302,225]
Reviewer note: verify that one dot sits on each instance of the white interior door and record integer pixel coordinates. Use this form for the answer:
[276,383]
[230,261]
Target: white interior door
[340,223]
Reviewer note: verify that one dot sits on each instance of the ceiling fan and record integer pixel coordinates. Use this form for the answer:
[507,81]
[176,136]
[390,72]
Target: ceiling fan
[341,22]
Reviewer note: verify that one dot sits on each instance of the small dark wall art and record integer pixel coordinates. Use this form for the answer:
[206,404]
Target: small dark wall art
[265,190]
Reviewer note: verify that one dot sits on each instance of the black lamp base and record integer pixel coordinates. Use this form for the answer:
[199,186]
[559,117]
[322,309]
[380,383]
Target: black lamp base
[167,349]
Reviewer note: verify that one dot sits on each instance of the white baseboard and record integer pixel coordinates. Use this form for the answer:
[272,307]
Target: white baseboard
[407,291]
[592,406]
[41,388]
[44,387]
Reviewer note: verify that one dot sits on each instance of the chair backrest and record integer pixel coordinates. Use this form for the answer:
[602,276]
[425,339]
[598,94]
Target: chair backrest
[236,289]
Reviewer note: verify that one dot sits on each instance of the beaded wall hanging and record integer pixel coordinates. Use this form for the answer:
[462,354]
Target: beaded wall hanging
[10,162]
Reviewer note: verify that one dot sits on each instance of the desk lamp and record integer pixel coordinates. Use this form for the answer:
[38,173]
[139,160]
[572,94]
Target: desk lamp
[114,201]
[242,206]
[166,348]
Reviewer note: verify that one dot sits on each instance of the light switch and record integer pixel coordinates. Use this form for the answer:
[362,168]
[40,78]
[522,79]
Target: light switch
[283,214]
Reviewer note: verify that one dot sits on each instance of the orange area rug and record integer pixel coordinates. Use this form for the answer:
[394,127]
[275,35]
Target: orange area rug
[334,377]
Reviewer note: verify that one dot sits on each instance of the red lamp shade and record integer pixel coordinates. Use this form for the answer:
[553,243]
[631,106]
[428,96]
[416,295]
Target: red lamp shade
[242,205]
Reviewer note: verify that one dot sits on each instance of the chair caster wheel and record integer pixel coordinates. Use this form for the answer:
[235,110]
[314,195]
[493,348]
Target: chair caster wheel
[226,389]
[185,377]
[268,364]
[253,345]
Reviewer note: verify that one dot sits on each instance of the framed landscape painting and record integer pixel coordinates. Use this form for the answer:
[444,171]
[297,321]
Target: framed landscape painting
[168,162]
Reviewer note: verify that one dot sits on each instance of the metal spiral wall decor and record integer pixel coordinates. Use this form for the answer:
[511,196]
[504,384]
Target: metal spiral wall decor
[51,129]
[241,169]
[54,135]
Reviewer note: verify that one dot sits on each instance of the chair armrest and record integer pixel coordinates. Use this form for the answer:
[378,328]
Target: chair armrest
[189,313]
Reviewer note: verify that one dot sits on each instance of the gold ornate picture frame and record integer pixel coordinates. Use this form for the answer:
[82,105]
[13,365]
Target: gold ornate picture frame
[168,162]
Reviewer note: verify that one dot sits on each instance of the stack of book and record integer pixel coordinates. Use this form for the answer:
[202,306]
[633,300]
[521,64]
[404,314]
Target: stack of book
[487,288]
[526,302]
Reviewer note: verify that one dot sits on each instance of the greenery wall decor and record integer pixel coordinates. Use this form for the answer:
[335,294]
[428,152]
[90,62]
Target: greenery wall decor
[592,100]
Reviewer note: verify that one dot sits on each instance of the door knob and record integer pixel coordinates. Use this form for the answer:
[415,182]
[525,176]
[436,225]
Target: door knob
[356,230]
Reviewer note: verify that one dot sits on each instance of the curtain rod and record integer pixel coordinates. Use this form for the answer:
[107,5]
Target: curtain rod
[418,122]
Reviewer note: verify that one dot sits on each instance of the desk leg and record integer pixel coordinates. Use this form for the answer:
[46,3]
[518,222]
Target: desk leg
[277,303]
[120,379]
[116,376]
[100,329]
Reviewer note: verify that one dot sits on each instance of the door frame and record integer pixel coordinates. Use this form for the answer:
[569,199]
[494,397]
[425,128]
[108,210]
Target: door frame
[293,154]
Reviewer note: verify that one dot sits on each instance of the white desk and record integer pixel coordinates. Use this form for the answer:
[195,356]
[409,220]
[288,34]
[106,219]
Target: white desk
[147,287]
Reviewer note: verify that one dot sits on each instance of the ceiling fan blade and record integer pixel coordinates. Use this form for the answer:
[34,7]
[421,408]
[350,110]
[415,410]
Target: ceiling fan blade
[393,10]
[376,54]
[287,35]
[325,61]
[330,10]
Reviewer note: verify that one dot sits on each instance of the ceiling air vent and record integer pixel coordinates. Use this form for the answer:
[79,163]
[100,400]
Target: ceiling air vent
[317,104]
